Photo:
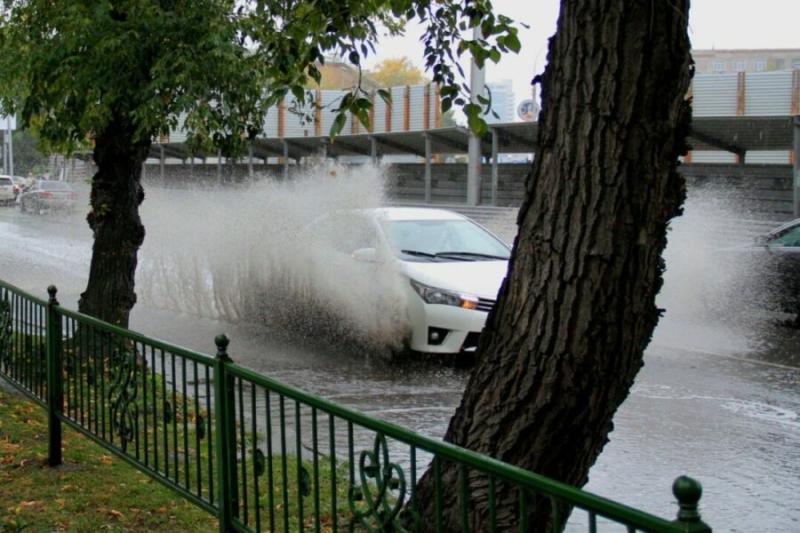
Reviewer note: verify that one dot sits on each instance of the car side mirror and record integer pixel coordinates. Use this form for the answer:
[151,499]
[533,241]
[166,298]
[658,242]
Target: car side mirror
[366,255]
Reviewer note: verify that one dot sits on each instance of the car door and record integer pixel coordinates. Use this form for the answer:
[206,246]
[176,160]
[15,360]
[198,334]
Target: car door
[784,249]
[353,272]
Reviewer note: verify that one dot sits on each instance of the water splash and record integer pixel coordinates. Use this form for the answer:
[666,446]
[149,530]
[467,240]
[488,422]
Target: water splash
[718,295]
[251,253]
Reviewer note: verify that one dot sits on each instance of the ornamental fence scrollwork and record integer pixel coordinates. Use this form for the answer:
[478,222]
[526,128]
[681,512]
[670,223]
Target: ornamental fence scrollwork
[122,394]
[379,502]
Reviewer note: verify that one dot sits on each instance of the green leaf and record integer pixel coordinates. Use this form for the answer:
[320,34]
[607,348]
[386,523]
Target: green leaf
[512,42]
[315,74]
[447,103]
[338,124]
[299,93]
[477,125]
[385,95]
[363,117]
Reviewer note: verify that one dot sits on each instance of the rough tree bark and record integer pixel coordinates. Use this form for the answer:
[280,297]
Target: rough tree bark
[114,218]
[561,350]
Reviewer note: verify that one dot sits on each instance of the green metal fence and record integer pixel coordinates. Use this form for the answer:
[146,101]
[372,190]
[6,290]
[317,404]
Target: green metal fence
[262,455]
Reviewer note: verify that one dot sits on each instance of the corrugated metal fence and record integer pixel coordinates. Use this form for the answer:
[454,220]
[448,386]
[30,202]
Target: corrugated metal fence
[412,108]
[746,94]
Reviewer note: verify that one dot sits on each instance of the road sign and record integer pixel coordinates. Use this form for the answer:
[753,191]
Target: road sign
[526,110]
[8,123]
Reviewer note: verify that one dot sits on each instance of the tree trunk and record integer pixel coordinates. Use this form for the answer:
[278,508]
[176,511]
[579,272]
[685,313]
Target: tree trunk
[114,219]
[561,350]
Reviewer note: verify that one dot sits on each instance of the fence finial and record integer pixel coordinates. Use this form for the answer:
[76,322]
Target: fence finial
[52,290]
[688,492]
[222,342]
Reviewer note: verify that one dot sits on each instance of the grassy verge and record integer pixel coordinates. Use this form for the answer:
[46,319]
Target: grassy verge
[91,491]
[116,395]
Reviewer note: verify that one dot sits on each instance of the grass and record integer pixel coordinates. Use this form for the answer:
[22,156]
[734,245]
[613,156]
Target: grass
[92,491]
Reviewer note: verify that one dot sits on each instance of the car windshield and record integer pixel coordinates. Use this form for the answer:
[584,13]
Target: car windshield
[54,186]
[4,182]
[444,240]
[788,238]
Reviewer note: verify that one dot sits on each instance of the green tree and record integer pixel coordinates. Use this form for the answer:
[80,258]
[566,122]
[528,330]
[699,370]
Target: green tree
[397,71]
[123,72]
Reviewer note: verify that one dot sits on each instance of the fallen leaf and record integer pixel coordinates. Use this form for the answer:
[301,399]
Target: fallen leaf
[9,447]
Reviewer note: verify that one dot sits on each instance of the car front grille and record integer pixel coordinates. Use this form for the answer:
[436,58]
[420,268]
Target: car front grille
[484,304]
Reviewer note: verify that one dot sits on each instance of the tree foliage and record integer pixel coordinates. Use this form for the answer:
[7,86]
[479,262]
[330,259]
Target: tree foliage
[214,66]
[392,72]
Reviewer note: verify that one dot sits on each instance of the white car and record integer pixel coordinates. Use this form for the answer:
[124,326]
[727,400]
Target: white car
[8,191]
[445,268]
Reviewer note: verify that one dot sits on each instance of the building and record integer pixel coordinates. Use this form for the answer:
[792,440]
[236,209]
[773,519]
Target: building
[502,102]
[746,60]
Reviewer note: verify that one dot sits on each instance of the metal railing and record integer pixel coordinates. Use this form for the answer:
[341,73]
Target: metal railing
[262,455]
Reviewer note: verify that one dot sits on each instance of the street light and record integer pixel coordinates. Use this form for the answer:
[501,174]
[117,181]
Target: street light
[477,86]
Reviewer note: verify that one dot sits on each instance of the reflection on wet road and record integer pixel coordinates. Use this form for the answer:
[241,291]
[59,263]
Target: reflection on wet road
[716,401]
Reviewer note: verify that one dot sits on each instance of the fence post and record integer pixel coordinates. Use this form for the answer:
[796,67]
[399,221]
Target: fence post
[55,384]
[688,492]
[225,407]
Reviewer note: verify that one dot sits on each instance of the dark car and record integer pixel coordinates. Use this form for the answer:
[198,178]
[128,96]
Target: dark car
[777,256]
[46,195]
[783,239]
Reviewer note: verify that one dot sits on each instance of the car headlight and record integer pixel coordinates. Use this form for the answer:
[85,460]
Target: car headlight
[432,295]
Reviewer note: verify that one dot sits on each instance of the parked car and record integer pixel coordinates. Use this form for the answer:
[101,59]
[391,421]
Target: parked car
[47,195]
[782,247]
[773,265]
[783,239]
[8,191]
[447,268]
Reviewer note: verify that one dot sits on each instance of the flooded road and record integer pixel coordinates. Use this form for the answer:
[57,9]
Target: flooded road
[717,399]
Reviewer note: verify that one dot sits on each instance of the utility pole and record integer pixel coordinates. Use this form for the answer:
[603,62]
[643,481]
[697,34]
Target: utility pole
[477,87]
[9,125]
[10,135]
[796,130]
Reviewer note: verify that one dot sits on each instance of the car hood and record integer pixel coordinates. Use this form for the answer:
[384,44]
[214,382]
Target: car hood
[479,278]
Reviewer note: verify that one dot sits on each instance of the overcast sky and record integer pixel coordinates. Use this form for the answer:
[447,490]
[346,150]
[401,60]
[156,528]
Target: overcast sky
[713,24]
